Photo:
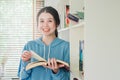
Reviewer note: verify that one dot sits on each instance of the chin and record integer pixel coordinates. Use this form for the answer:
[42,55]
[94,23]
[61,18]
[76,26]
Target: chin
[46,34]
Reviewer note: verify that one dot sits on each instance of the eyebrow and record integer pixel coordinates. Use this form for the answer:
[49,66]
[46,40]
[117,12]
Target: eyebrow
[47,18]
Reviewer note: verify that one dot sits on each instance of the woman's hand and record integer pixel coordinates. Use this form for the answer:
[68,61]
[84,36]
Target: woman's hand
[26,56]
[52,64]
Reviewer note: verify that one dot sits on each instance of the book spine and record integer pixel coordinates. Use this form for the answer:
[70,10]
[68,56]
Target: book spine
[72,17]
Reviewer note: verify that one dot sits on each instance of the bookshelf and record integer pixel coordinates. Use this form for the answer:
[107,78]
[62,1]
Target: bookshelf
[76,34]
[72,33]
[72,27]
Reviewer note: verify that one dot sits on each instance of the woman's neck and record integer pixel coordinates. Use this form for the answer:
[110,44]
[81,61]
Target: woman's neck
[48,39]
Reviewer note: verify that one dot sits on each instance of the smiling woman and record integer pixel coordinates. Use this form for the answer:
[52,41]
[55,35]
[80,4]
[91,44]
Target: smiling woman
[49,47]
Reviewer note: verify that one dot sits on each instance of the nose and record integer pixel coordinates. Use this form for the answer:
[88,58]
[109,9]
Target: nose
[45,24]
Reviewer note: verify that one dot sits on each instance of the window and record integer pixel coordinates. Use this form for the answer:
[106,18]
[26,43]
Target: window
[16,28]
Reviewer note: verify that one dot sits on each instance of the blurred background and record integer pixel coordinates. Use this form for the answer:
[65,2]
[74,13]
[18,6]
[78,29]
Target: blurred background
[16,28]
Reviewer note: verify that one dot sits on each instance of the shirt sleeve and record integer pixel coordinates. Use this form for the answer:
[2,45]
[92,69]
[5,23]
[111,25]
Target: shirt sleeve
[22,73]
[62,74]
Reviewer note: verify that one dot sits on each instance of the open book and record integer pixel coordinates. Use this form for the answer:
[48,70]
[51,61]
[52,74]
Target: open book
[41,61]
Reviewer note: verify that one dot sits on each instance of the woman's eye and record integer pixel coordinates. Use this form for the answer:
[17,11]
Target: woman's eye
[41,21]
[50,21]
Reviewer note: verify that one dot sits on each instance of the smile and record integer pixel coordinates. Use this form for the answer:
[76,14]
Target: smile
[46,30]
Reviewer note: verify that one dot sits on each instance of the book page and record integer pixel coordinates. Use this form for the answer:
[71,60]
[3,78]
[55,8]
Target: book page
[35,64]
[36,56]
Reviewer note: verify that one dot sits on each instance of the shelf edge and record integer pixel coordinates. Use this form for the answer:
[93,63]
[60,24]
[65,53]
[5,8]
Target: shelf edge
[71,27]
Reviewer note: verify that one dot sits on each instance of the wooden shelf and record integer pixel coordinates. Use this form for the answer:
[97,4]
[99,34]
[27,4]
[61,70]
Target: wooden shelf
[71,27]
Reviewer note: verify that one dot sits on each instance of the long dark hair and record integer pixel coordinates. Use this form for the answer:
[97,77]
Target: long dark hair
[54,13]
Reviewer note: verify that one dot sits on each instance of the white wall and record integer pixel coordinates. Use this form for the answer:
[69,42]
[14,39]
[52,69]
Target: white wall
[102,40]
[74,5]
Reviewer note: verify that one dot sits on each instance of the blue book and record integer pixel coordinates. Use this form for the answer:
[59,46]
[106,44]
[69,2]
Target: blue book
[81,47]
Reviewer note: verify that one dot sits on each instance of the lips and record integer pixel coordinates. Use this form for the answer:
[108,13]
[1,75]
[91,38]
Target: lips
[46,30]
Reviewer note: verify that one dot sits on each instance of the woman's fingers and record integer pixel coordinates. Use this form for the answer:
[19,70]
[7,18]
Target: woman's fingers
[61,65]
[55,63]
[52,63]
[26,55]
[49,62]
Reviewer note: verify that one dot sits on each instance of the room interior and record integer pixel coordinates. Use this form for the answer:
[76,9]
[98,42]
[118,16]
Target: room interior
[18,25]
[99,30]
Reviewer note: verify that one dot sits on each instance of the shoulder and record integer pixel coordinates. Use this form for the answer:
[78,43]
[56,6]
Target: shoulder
[59,42]
[30,42]
[35,42]
[64,43]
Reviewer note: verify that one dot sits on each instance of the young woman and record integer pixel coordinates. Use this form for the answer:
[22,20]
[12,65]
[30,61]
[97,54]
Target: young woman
[49,46]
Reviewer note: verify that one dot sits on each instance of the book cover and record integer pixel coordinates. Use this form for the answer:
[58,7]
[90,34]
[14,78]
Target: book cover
[67,21]
[81,47]
[80,15]
[72,17]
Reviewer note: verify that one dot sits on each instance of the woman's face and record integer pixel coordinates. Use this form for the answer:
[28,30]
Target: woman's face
[46,24]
